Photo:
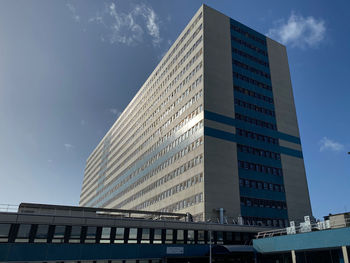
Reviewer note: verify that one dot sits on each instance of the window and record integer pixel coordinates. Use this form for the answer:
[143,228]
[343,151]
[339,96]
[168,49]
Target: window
[106,235]
[119,235]
[132,235]
[75,234]
[201,236]
[169,236]
[157,236]
[58,236]
[41,234]
[180,236]
[91,234]
[190,237]
[23,233]
[145,238]
[4,232]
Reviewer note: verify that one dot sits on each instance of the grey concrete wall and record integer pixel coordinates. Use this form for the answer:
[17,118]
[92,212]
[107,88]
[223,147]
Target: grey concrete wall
[221,185]
[297,193]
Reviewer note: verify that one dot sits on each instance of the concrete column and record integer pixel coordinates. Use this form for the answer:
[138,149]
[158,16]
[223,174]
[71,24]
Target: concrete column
[345,254]
[294,259]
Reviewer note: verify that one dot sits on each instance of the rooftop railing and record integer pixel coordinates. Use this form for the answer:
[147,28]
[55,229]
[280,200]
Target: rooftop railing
[306,227]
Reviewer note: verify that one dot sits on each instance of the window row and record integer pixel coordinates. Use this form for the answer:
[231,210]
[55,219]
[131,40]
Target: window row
[189,148]
[148,104]
[190,201]
[157,122]
[261,185]
[258,152]
[157,183]
[252,81]
[256,136]
[250,46]
[154,95]
[262,221]
[138,169]
[250,57]
[263,203]
[190,164]
[256,122]
[260,168]
[183,168]
[254,107]
[181,124]
[250,69]
[173,190]
[148,113]
[150,139]
[34,233]
[253,94]
[245,33]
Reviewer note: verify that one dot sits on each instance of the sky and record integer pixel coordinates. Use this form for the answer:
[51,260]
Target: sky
[69,68]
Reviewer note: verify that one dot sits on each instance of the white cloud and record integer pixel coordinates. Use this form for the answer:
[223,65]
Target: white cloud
[68,146]
[328,144]
[128,27]
[73,11]
[299,31]
[115,112]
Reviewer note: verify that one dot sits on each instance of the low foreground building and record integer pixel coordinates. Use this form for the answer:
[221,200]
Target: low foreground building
[50,233]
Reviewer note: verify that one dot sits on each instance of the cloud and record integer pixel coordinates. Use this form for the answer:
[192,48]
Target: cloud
[328,144]
[73,11]
[128,27]
[299,31]
[115,112]
[68,146]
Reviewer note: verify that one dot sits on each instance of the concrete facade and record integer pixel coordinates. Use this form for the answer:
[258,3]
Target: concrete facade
[213,127]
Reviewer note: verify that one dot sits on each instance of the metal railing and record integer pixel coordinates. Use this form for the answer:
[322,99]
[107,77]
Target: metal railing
[8,208]
[318,226]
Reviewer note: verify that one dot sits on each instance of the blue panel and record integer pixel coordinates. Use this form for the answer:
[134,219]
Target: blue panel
[258,159]
[255,114]
[306,241]
[250,62]
[263,212]
[209,115]
[252,175]
[262,194]
[250,75]
[291,152]
[46,252]
[252,87]
[233,122]
[219,134]
[253,100]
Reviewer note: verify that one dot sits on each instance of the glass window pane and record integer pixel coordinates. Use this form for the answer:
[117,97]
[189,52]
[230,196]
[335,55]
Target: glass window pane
[180,236]
[23,233]
[58,236]
[157,236]
[106,233]
[41,233]
[91,234]
[133,233]
[190,236]
[201,237]
[119,235]
[145,235]
[4,232]
[75,234]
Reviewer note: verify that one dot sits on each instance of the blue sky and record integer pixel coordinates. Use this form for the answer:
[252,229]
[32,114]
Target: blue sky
[68,68]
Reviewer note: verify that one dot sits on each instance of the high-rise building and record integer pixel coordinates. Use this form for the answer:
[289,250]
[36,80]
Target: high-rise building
[213,132]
